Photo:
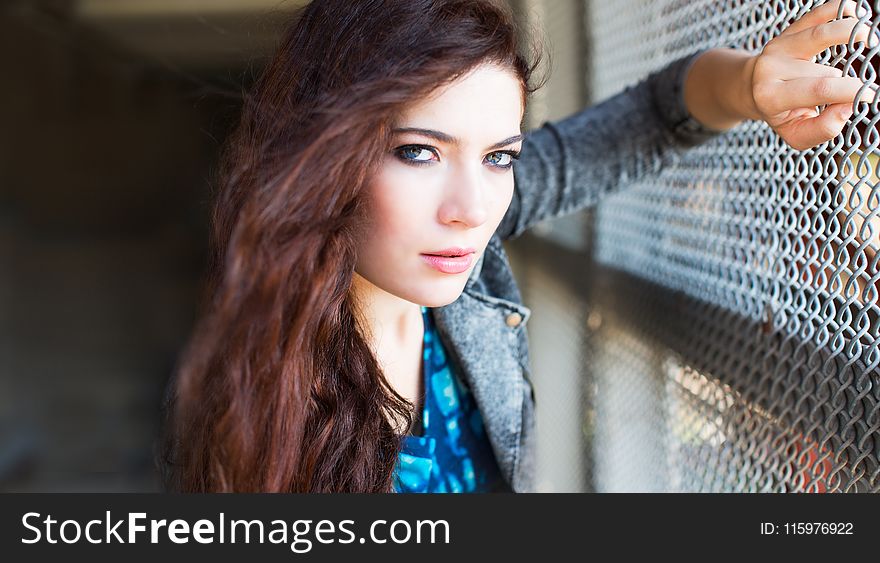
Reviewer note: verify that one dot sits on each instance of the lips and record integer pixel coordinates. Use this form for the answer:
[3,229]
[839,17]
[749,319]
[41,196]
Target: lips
[451,252]
[449,264]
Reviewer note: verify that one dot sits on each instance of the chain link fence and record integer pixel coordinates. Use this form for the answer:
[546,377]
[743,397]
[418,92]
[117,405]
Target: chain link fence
[731,340]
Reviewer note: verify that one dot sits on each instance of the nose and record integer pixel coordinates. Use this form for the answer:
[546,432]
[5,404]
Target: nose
[464,200]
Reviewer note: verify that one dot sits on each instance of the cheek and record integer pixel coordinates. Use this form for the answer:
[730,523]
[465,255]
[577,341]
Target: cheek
[502,202]
[396,212]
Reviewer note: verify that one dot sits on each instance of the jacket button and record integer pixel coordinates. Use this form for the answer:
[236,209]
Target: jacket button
[514,319]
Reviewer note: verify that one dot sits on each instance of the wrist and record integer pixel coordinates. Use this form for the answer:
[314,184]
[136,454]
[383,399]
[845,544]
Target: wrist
[733,79]
[743,104]
[718,90]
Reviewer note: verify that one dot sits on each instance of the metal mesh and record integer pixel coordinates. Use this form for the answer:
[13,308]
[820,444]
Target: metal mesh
[559,354]
[738,290]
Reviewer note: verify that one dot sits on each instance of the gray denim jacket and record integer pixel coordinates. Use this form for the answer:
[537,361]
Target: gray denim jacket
[565,166]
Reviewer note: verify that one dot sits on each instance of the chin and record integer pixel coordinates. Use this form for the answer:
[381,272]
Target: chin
[441,299]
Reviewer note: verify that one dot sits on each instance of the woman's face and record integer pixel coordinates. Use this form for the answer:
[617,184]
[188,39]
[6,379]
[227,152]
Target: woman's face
[446,183]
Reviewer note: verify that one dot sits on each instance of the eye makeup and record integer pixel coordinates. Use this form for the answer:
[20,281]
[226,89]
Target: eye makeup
[400,152]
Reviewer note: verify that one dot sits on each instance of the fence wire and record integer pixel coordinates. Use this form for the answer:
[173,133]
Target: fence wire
[738,290]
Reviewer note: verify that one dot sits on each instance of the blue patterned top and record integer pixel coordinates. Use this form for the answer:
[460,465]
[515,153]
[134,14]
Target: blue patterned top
[452,453]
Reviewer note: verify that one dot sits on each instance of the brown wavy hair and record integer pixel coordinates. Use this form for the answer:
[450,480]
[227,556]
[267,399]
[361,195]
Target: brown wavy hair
[278,389]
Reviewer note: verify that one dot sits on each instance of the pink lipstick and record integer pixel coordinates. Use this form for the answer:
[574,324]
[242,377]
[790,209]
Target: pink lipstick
[454,260]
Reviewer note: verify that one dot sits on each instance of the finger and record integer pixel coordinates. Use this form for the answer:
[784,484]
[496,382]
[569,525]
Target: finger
[787,69]
[810,42]
[808,133]
[810,92]
[820,14]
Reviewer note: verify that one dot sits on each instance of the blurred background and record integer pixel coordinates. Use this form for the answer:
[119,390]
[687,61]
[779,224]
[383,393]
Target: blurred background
[113,114]
[698,331]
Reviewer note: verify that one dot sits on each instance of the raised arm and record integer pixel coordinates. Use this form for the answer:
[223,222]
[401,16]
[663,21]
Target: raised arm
[569,164]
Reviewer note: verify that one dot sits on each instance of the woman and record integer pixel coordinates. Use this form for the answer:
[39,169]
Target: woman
[340,350]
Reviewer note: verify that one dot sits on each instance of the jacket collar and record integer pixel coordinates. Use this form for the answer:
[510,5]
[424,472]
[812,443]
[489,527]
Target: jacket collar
[496,250]
[478,267]
[489,362]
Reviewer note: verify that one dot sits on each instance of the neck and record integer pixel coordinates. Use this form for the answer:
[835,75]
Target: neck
[387,320]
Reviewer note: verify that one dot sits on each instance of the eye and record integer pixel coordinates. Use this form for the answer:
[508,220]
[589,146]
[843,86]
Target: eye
[503,159]
[415,154]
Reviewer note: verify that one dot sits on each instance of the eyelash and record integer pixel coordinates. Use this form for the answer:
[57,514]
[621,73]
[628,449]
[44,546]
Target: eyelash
[514,155]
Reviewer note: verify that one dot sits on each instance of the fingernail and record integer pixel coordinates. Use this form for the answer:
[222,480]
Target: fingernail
[868,94]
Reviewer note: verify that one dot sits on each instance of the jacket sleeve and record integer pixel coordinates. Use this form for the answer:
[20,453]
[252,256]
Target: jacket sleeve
[567,165]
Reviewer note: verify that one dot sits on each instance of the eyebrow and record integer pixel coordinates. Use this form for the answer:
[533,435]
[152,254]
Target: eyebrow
[450,140]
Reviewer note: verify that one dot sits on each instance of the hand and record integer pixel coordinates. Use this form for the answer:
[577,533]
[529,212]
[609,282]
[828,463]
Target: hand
[786,84]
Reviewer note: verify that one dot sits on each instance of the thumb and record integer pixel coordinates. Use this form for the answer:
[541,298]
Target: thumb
[843,111]
[808,133]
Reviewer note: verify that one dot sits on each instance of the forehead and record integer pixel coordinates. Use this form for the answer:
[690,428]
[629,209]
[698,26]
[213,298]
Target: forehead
[485,104]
